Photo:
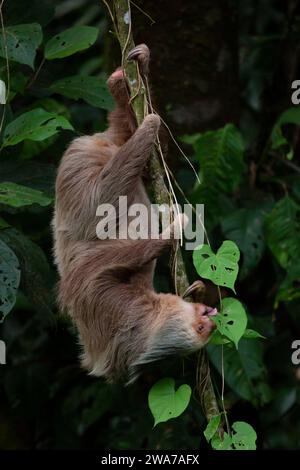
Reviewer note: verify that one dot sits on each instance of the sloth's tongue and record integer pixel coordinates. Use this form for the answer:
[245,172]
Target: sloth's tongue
[210,311]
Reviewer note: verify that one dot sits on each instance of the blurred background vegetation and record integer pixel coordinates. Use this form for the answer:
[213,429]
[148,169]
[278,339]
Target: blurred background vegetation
[221,72]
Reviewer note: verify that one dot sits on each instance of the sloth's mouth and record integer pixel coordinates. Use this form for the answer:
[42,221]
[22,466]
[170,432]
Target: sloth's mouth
[210,311]
[204,324]
[205,310]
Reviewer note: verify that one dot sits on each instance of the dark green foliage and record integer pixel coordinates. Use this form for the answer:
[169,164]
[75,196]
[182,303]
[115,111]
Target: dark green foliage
[21,42]
[93,90]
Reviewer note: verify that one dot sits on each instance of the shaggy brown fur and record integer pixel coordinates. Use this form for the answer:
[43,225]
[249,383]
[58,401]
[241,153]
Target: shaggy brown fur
[106,285]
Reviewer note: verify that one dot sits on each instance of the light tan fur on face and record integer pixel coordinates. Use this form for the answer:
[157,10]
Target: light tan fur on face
[106,285]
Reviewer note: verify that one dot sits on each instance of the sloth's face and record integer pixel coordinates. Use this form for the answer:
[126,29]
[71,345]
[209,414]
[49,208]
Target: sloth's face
[203,324]
[186,327]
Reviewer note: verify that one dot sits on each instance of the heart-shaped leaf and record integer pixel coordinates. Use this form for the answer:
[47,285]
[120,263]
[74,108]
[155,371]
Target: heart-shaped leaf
[165,403]
[70,41]
[244,437]
[232,320]
[221,268]
[9,279]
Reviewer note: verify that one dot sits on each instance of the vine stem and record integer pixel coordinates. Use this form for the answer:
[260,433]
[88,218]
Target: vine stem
[120,13]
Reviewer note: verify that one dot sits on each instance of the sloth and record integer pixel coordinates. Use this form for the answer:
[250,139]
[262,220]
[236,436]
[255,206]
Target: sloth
[106,285]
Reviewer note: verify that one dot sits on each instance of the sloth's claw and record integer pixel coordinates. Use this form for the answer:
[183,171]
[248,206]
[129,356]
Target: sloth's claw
[141,54]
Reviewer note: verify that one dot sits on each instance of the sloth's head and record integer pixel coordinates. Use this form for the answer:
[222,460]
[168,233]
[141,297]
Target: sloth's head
[177,327]
[182,327]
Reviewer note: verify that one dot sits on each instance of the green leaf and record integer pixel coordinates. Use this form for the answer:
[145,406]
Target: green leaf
[283,231]
[246,228]
[289,289]
[221,444]
[289,116]
[9,279]
[165,403]
[217,338]
[93,90]
[22,42]
[190,139]
[252,334]
[232,320]
[17,84]
[244,437]
[15,195]
[70,41]
[37,125]
[3,223]
[278,140]
[36,276]
[220,154]
[221,268]
[212,427]
[36,175]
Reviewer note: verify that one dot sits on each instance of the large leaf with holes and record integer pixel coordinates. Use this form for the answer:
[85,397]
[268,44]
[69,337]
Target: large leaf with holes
[243,438]
[36,276]
[244,369]
[222,267]
[37,125]
[165,402]
[70,41]
[93,90]
[283,230]
[221,157]
[15,195]
[246,228]
[22,42]
[9,279]
[232,320]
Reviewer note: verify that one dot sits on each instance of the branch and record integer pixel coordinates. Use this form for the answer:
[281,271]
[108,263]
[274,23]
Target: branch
[121,15]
